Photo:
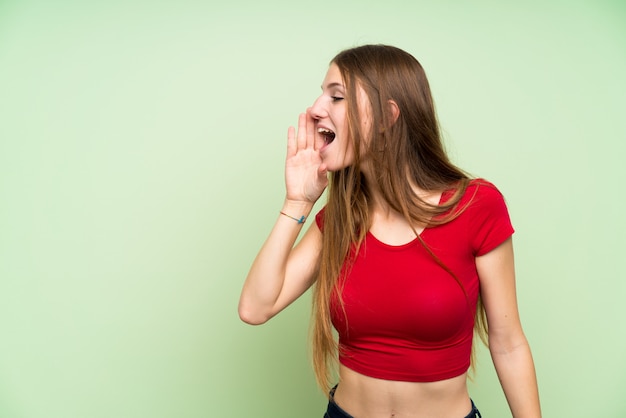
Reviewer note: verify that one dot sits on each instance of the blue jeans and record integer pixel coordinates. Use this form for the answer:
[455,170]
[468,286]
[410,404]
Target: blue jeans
[335,411]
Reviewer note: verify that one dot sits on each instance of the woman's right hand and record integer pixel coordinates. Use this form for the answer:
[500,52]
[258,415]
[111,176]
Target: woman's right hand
[305,173]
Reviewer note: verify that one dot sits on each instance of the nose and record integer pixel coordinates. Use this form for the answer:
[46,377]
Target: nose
[318,111]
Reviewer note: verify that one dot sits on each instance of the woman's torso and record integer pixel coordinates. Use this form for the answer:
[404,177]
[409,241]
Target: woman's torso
[368,397]
[363,393]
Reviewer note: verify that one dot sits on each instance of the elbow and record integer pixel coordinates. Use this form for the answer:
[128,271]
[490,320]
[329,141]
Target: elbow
[251,317]
[507,344]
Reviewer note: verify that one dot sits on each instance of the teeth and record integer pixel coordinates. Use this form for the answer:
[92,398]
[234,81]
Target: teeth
[329,136]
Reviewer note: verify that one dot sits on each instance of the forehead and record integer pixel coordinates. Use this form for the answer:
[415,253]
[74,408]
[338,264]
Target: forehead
[333,77]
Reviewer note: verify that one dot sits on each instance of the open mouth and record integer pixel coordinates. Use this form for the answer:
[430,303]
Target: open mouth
[327,134]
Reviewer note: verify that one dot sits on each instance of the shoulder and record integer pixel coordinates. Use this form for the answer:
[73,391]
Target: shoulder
[488,217]
[477,189]
[481,194]
[482,188]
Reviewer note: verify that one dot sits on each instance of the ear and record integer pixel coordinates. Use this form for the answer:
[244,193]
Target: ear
[394,111]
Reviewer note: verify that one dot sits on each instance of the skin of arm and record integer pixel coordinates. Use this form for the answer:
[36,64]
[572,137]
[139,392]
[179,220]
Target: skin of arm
[281,271]
[508,346]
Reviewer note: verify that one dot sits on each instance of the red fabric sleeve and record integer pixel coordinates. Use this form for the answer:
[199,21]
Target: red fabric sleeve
[319,219]
[490,224]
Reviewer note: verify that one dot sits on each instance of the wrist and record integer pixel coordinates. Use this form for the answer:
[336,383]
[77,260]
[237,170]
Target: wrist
[296,210]
[299,207]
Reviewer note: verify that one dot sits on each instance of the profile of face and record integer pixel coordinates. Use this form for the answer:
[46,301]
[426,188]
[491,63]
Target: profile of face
[329,111]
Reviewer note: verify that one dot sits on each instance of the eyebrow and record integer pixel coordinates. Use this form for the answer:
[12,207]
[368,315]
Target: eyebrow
[333,85]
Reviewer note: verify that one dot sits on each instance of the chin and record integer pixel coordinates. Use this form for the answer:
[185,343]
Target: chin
[336,168]
[338,163]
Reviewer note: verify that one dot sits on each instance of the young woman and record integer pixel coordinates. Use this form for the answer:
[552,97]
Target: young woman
[408,256]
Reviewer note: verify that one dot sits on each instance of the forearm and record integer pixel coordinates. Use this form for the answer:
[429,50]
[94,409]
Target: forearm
[516,371]
[266,278]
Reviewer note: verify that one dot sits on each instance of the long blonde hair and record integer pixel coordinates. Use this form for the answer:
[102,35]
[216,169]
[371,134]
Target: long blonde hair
[402,153]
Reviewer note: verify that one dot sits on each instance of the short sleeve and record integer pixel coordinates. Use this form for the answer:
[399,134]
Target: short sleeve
[319,218]
[490,224]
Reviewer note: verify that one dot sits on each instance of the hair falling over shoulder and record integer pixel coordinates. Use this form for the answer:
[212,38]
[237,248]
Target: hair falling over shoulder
[403,151]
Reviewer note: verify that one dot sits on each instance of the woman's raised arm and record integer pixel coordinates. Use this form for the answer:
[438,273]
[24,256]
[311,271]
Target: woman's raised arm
[281,272]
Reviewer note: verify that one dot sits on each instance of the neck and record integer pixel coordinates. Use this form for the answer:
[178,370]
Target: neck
[381,205]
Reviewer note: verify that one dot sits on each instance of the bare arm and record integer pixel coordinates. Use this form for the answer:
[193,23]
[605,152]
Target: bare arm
[507,343]
[281,272]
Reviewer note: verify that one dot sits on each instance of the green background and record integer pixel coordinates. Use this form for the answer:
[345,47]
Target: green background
[141,167]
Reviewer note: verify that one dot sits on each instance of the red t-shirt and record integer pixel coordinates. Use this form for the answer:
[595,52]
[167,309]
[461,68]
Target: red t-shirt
[406,318]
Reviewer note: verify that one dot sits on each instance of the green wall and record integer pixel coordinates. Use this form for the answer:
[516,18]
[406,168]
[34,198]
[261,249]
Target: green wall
[141,153]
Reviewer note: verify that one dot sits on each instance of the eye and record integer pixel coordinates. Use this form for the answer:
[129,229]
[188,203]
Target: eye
[336,98]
